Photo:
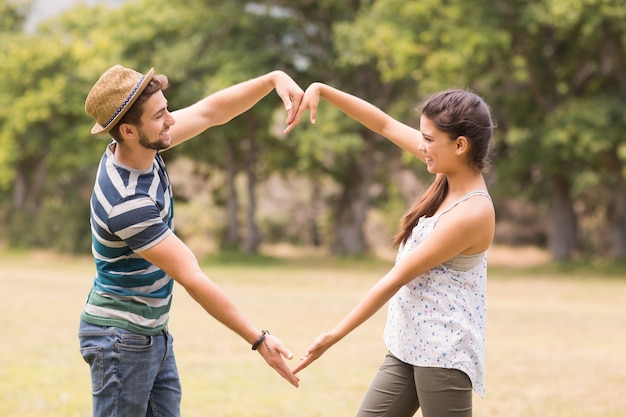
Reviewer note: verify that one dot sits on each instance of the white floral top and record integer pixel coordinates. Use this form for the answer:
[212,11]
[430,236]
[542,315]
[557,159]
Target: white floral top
[439,318]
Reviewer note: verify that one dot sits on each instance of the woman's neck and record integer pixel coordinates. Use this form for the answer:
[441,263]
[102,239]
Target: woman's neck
[463,183]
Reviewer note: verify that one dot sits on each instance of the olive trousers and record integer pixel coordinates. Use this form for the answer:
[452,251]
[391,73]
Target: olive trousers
[400,389]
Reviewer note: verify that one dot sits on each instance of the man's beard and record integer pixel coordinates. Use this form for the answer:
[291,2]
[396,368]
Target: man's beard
[146,143]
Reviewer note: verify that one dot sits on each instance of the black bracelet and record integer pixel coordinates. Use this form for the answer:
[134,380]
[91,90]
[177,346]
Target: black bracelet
[260,340]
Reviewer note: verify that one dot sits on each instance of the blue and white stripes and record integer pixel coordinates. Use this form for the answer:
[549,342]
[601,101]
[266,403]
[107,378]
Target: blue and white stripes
[131,211]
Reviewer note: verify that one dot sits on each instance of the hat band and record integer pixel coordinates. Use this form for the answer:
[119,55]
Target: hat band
[128,99]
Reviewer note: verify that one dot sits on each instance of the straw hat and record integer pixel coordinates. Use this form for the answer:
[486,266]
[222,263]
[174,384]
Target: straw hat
[113,94]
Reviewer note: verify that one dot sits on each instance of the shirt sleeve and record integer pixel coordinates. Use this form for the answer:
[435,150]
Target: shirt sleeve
[138,222]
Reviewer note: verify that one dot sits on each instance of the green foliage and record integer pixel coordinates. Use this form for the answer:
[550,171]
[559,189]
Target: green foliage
[61,224]
[47,152]
[553,72]
[587,138]
[327,146]
[436,44]
[13,14]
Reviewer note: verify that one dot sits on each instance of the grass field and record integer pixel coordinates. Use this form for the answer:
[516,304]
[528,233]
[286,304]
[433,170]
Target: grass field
[556,340]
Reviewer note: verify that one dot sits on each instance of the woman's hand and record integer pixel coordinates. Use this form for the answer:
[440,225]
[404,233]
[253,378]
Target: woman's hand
[310,101]
[319,346]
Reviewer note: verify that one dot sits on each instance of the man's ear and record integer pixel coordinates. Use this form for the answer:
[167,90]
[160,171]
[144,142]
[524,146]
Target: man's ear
[127,131]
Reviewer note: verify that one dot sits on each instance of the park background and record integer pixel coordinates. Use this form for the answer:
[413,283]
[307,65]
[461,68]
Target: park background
[296,228]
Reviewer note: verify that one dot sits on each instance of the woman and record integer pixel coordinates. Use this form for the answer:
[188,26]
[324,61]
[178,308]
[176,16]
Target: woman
[435,329]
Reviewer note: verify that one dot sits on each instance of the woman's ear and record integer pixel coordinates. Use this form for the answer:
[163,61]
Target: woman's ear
[462,145]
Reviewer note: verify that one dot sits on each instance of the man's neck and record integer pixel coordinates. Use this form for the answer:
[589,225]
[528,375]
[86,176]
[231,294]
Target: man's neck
[138,158]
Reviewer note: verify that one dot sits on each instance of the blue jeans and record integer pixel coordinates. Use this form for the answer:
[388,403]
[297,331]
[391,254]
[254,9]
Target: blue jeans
[131,375]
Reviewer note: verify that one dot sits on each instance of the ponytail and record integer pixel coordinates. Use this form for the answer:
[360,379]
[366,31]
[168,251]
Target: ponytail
[427,205]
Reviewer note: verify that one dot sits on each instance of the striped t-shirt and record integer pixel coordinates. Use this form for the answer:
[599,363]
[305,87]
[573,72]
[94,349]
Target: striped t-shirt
[131,211]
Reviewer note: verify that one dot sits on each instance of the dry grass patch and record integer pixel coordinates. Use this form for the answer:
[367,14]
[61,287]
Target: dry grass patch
[555,344]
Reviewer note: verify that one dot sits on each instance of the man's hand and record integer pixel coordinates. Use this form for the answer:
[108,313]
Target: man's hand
[289,92]
[310,101]
[274,353]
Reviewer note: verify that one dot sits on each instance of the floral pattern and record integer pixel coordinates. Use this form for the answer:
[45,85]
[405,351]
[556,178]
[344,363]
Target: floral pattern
[439,318]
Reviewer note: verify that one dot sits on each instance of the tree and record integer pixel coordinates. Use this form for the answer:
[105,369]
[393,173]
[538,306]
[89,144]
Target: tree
[39,120]
[563,105]
[522,58]
[383,55]
[203,46]
[553,72]
[338,149]
[12,18]
[48,153]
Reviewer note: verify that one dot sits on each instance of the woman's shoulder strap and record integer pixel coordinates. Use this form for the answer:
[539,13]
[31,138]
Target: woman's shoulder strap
[465,197]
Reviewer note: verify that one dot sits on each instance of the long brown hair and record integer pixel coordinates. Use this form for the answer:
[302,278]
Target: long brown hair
[457,113]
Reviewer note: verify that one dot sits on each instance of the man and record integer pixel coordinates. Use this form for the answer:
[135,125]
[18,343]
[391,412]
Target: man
[123,329]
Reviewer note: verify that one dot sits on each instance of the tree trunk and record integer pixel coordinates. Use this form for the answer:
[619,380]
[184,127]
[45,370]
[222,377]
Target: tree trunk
[231,233]
[253,235]
[353,204]
[315,210]
[562,221]
[19,189]
[617,221]
[40,174]
[28,185]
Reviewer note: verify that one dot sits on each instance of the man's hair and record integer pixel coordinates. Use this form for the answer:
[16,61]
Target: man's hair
[133,115]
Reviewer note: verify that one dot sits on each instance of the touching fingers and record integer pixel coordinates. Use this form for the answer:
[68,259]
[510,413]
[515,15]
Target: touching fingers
[292,103]
[282,368]
[292,125]
[296,100]
[274,353]
[304,362]
[290,376]
[297,116]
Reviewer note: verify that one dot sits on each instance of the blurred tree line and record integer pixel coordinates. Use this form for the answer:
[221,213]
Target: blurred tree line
[553,71]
